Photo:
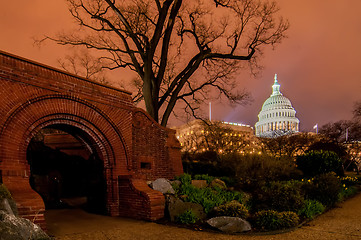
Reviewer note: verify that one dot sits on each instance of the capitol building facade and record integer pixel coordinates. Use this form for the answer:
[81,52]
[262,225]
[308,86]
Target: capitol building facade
[277,116]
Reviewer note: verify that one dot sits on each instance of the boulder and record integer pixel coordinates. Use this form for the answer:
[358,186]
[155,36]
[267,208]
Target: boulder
[199,183]
[163,185]
[5,206]
[176,207]
[14,228]
[218,183]
[8,205]
[230,224]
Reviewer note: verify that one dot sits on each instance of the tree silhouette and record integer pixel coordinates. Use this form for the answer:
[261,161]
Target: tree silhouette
[179,49]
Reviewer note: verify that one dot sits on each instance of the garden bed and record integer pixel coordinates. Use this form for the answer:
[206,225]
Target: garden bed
[273,207]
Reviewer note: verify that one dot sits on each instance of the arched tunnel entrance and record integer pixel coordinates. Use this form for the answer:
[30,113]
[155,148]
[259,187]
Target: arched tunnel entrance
[66,169]
[120,146]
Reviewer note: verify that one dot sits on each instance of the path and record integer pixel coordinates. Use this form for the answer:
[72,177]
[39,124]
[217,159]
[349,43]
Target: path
[343,223]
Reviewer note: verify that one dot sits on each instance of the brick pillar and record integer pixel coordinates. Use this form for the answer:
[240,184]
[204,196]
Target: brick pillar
[174,153]
[138,200]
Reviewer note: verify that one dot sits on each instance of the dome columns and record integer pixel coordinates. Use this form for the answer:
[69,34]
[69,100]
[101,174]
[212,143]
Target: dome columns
[277,114]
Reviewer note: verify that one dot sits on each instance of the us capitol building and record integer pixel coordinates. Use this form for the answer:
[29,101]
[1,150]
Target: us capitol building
[277,116]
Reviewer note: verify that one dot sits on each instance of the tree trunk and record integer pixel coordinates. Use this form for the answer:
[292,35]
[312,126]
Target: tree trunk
[151,101]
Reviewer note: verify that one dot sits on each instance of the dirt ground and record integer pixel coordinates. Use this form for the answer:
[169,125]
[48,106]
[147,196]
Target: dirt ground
[343,223]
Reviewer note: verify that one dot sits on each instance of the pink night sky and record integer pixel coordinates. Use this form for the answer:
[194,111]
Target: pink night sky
[318,65]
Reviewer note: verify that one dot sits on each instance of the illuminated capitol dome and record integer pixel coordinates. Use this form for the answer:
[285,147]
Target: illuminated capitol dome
[277,116]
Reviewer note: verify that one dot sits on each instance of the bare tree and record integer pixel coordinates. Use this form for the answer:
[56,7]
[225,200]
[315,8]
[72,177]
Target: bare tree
[83,64]
[353,149]
[288,145]
[216,137]
[180,49]
[343,131]
[357,109]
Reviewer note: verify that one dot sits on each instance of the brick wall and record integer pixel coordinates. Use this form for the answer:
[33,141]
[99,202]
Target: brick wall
[138,200]
[130,144]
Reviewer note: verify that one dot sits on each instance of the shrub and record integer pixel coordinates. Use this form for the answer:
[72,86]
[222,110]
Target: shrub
[273,220]
[210,198]
[4,192]
[318,162]
[206,177]
[279,196]
[349,181]
[207,197]
[232,209]
[188,217]
[289,219]
[311,208]
[324,188]
[202,163]
[347,192]
[253,169]
[229,181]
[186,179]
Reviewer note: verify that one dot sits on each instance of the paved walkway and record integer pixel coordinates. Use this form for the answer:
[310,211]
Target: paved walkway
[343,223]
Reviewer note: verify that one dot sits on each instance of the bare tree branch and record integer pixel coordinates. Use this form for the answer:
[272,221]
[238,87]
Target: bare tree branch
[180,49]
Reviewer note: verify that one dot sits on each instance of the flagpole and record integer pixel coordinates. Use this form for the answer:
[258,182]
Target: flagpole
[210,111]
[346,134]
[316,127]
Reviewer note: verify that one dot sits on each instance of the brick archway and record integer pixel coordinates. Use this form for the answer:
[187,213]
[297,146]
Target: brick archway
[30,117]
[35,96]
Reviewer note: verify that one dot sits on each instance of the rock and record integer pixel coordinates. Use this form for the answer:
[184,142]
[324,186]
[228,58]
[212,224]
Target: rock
[13,228]
[5,206]
[199,183]
[176,207]
[9,206]
[163,185]
[230,224]
[218,183]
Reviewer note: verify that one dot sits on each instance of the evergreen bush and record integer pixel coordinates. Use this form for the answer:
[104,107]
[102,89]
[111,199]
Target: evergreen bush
[4,192]
[273,220]
[252,170]
[324,188]
[347,191]
[188,217]
[311,208]
[279,196]
[318,162]
[232,209]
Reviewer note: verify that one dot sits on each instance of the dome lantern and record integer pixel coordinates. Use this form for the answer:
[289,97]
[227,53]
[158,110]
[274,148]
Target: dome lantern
[276,87]
[277,116]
